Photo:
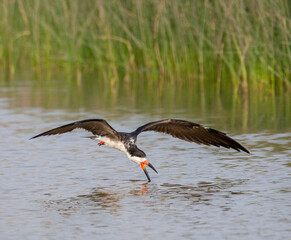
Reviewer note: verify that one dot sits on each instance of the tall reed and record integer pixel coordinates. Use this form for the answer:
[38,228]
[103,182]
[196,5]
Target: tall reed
[243,43]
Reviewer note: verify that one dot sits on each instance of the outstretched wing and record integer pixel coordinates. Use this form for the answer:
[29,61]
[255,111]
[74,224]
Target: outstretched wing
[97,126]
[191,132]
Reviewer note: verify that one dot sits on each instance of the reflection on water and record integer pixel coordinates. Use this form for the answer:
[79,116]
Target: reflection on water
[201,193]
[254,112]
[68,187]
[109,199]
[97,200]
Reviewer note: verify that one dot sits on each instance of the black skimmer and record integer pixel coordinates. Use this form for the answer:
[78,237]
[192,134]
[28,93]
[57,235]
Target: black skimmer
[126,142]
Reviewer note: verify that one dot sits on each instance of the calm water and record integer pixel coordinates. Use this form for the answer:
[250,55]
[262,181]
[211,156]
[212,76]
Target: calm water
[67,187]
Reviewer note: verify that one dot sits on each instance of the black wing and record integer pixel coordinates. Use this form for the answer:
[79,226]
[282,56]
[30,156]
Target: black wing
[191,132]
[97,126]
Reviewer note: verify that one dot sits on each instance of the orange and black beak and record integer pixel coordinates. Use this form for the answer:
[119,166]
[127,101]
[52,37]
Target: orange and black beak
[142,164]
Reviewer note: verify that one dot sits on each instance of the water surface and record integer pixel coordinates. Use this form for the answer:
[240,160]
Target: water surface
[67,187]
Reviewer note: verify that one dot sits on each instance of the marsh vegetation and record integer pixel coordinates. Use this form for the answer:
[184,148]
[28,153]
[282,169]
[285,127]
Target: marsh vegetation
[229,44]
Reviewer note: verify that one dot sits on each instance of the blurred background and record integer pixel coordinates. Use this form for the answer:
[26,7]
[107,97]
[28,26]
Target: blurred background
[207,57]
[224,64]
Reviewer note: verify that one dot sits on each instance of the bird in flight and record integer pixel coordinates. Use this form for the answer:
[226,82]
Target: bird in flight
[126,142]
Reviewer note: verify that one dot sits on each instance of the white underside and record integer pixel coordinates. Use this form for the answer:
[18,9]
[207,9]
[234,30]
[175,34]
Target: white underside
[119,146]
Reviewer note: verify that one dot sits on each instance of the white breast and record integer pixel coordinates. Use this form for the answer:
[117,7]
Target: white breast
[119,146]
[110,143]
[136,159]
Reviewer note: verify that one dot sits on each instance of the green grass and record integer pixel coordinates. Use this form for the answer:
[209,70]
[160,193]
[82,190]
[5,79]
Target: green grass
[242,44]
